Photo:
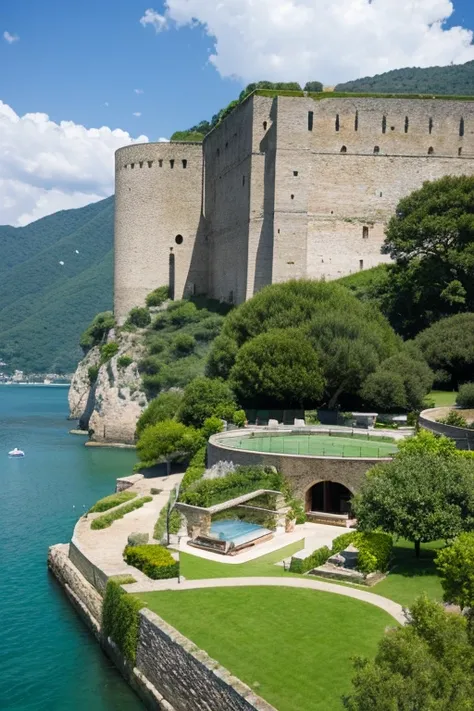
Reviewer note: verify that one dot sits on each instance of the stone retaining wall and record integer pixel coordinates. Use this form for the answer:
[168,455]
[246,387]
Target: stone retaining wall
[171,673]
[463,437]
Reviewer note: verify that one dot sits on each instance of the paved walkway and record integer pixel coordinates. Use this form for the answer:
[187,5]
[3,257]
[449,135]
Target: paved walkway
[393,608]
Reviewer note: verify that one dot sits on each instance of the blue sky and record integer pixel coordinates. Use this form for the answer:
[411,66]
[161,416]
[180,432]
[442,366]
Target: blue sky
[81,62]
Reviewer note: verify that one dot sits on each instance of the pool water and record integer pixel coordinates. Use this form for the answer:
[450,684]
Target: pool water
[234,529]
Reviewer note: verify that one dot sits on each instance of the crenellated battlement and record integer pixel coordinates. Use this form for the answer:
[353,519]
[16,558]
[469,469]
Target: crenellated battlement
[285,187]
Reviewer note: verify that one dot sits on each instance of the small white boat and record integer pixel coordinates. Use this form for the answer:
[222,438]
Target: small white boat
[16,453]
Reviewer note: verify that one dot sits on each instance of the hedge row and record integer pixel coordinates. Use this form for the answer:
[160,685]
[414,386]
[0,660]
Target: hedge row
[108,519]
[243,480]
[153,560]
[375,550]
[120,618]
[108,502]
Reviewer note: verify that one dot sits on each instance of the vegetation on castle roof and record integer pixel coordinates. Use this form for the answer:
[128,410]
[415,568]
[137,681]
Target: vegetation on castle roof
[351,95]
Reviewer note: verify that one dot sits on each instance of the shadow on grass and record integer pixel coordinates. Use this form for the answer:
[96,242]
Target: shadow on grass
[405,562]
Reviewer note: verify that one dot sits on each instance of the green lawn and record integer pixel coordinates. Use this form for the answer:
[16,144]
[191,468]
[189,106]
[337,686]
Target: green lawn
[335,445]
[409,578]
[293,647]
[441,398]
[194,568]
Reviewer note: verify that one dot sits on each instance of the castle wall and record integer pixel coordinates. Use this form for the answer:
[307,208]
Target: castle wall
[330,216]
[284,187]
[227,158]
[158,196]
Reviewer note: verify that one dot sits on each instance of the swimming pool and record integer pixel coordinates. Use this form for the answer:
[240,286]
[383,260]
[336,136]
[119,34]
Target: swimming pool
[235,530]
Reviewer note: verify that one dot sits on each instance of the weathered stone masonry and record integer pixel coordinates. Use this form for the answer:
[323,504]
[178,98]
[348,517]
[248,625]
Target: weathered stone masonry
[284,187]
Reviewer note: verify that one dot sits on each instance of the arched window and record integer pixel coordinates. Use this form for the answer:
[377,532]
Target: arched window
[430,151]
[343,149]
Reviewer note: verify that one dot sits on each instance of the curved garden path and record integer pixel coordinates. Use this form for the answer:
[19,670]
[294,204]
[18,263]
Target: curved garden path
[393,608]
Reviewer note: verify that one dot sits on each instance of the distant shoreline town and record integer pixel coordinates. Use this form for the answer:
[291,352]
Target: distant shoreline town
[21,378]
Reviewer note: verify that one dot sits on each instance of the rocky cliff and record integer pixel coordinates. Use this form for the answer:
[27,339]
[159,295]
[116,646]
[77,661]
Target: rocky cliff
[109,404]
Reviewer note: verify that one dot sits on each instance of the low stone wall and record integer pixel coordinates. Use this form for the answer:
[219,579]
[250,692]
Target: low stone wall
[302,471]
[463,437]
[96,577]
[171,673]
[187,675]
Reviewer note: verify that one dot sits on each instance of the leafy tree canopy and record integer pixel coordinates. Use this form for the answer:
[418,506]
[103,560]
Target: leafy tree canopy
[448,347]
[163,407]
[201,399]
[277,368]
[427,665]
[350,338]
[419,497]
[166,440]
[456,569]
[431,239]
[400,382]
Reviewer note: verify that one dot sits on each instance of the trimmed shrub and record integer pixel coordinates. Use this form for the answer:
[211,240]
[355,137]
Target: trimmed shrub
[317,558]
[124,361]
[239,418]
[465,396]
[139,316]
[153,560]
[108,519]
[93,373]
[154,491]
[108,502]
[195,470]
[107,351]
[158,296]
[120,618]
[212,425]
[375,550]
[243,480]
[138,539]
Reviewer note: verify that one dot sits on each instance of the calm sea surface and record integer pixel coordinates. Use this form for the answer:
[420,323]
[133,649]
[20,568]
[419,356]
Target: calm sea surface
[48,659]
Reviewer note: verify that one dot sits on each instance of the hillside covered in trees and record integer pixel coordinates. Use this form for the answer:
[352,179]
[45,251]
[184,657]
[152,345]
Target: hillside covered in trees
[55,275]
[456,79]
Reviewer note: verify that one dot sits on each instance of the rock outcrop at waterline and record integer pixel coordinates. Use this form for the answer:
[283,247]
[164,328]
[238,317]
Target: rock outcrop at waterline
[109,405]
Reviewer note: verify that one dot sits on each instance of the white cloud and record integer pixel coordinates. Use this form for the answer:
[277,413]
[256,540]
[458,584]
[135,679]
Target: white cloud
[106,103]
[137,113]
[8,37]
[153,18]
[163,140]
[301,40]
[138,91]
[45,166]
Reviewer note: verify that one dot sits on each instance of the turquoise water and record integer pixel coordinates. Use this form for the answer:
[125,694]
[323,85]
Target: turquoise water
[48,659]
[233,529]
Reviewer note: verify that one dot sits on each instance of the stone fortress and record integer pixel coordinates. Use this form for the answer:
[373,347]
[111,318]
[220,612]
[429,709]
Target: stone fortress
[283,188]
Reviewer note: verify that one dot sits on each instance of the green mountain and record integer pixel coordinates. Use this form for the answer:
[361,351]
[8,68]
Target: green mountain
[45,305]
[455,80]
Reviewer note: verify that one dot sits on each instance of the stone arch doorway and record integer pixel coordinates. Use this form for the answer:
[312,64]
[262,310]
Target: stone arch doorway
[329,497]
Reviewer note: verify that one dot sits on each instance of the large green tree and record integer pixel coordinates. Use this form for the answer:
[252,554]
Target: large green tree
[278,368]
[400,383]
[203,398]
[421,497]
[426,666]
[431,239]
[163,407]
[448,347]
[350,337]
[455,565]
[167,440]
